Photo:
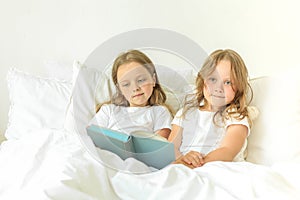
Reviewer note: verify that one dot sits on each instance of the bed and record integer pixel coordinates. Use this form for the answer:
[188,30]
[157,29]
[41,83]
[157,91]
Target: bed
[47,154]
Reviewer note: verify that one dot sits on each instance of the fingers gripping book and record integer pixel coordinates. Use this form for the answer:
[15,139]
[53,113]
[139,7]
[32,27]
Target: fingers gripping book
[149,148]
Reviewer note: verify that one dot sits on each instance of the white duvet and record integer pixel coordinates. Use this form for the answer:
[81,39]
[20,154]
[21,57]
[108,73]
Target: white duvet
[53,164]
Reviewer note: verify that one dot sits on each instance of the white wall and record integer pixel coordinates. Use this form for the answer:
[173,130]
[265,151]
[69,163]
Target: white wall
[265,33]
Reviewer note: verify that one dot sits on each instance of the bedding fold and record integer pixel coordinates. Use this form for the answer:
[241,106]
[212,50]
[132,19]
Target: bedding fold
[53,164]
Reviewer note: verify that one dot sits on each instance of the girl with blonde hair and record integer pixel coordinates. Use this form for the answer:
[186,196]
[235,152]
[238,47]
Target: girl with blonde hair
[215,121]
[139,101]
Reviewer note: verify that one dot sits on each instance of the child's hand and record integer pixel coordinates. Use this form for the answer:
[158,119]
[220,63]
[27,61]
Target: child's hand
[192,159]
[180,161]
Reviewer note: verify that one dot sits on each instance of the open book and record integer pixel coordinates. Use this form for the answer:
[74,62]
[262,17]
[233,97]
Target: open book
[149,148]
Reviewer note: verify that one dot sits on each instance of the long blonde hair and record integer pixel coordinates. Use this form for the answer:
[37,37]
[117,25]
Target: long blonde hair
[158,96]
[239,74]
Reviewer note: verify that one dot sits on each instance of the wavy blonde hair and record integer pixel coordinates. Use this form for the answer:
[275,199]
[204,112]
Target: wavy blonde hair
[239,74]
[158,96]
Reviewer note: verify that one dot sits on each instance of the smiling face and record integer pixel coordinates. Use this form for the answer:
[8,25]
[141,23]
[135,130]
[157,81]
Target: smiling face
[219,86]
[135,83]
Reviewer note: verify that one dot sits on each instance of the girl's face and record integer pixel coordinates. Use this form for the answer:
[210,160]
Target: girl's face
[219,89]
[136,83]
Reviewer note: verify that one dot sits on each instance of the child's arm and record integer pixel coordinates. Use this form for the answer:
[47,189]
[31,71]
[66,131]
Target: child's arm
[162,120]
[229,148]
[231,145]
[176,138]
[165,132]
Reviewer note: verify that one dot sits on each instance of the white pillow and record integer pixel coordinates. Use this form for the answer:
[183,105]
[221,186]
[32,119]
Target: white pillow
[276,132]
[90,87]
[176,84]
[35,102]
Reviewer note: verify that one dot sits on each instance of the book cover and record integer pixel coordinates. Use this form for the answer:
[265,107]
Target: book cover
[149,148]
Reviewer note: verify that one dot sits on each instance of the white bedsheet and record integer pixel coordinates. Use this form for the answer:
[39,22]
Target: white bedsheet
[53,164]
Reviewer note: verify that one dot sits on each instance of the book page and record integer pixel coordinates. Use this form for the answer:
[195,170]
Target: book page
[143,134]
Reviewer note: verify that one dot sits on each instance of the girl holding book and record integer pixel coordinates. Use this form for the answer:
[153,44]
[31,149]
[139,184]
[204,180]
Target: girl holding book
[139,101]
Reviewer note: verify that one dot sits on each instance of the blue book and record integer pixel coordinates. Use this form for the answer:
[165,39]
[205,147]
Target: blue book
[151,149]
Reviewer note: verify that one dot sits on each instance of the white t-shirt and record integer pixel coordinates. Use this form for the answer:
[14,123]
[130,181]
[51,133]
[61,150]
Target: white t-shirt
[202,135]
[131,119]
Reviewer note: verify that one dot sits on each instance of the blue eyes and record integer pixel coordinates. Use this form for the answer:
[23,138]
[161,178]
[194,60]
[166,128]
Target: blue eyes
[227,82]
[212,80]
[138,81]
[125,85]
[141,80]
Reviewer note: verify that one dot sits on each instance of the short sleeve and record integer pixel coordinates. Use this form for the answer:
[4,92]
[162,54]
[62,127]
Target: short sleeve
[162,118]
[178,119]
[102,116]
[233,121]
